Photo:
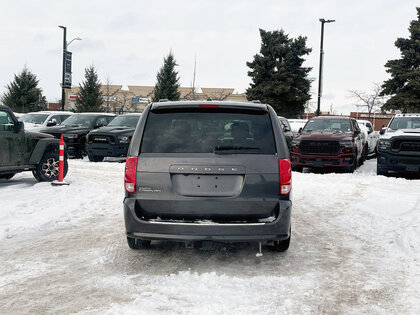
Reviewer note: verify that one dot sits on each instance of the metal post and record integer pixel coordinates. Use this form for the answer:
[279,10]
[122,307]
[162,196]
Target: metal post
[63,92]
[321,58]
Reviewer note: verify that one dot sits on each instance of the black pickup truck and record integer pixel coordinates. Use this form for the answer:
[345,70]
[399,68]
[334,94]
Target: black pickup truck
[22,150]
[399,146]
[112,140]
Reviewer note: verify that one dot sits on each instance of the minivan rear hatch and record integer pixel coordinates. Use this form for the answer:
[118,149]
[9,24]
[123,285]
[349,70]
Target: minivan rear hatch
[207,162]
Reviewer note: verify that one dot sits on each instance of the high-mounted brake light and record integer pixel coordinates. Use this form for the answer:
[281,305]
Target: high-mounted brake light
[130,174]
[285,173]
[209,105]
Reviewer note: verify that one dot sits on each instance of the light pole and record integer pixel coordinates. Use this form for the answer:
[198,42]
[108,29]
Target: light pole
[321,58]
[65,45]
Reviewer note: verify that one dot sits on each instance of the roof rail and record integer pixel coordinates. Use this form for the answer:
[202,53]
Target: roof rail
[163,100]
[256,101]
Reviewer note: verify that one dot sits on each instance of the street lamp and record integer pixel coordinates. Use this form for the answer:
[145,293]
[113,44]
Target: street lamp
[65,45]
[321,57]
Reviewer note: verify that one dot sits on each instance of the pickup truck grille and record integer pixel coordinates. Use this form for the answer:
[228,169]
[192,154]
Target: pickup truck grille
[102,139]
[406,145]
[326,147]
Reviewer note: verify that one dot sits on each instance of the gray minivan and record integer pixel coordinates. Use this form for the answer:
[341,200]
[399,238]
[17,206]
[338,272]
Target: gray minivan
[208,170]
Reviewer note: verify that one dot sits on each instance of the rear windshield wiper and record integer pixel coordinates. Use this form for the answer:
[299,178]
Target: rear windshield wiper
[234,147]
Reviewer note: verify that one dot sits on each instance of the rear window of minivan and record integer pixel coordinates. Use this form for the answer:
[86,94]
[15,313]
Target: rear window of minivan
[207,131]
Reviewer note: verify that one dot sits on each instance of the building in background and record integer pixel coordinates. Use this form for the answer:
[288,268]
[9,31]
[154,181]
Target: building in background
[134,98]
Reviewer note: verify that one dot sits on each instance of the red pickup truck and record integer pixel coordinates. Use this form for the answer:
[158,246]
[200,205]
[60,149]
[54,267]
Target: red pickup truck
[329,142]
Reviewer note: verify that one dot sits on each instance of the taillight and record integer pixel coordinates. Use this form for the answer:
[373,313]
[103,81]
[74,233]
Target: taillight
[130,174]
[285,173]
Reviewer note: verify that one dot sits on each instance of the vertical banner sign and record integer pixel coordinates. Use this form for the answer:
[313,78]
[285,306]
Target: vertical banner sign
[67,73]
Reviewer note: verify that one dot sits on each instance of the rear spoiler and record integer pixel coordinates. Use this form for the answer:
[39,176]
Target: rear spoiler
[180,106]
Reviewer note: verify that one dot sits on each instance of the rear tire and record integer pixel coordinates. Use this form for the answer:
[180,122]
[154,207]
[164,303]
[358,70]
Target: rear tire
[282,245]
[95,158]
[135,243]
[47,168]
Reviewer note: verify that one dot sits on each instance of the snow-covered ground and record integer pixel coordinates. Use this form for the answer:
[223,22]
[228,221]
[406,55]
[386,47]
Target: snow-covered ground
[355,249]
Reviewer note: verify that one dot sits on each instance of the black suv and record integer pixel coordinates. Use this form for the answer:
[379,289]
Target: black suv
[112,140]
[399,146]
[75,128]
[22,150]
[208,171]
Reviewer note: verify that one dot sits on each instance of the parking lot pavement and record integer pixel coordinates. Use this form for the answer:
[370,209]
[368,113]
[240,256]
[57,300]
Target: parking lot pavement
[355,249]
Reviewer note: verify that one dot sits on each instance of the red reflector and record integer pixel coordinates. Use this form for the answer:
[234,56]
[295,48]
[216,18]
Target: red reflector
[209,105]
[130,174]
[285,176]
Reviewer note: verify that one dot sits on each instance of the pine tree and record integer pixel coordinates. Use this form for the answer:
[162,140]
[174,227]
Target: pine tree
[404,85]
[167,81]
[277,73]
[23,94]
[90,95]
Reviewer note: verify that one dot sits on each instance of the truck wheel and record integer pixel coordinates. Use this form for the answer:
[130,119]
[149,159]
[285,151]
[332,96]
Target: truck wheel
[135,243]
[352,168]
[47,169]
[95,158]
[363,158]
[7,176]
[81,152]
[380,172]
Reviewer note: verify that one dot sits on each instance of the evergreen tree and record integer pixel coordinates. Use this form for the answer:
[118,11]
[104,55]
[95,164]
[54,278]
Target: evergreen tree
[167,81]
[277,73]
[90,95]
[404,85]
[23,94]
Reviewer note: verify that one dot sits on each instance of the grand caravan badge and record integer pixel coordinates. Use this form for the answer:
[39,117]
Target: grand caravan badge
[150,189]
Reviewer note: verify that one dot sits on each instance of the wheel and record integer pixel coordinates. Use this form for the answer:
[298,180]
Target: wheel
[7,176]
[379,172]
[363,158]
[135,243]
[283,245]
[297,168]
[81,152]
[351,169]
[95,158]
[47,169]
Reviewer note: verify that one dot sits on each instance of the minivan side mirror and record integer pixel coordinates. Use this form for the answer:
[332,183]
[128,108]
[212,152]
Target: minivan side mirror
[382,131]
[356,132]
[300,130]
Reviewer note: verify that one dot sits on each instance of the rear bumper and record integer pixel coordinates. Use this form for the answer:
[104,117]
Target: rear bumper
[306,160]
[179,231]
[106,149]
[398,163]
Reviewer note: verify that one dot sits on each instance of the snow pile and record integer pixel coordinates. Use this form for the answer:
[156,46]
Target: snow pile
[28,206]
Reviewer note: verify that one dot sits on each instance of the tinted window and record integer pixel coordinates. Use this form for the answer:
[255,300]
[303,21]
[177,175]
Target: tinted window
[341,125]
[127,121]
[405,123]
[101,121]
[79,120]
[34,118]
[57,118]
[208,131]
[6,122]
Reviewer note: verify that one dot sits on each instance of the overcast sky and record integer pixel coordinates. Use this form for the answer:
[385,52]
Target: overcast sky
[127,40]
